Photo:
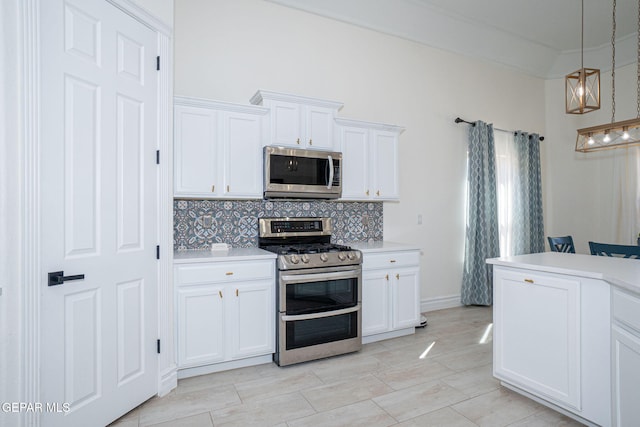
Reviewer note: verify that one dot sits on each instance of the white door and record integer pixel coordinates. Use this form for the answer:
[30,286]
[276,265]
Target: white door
[242,155]
[201,326]
[251,318]
[196,152]
[385,172]
[98,202]
[406,297]
[319,128]
[375,302]
[355,162]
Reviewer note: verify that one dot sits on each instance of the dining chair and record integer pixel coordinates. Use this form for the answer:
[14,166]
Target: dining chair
[562,244]
[620,251]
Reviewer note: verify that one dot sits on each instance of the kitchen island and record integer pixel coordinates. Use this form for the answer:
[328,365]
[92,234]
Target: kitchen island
[567,333]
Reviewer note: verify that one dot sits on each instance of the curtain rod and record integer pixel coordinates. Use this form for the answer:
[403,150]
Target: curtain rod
[459,120]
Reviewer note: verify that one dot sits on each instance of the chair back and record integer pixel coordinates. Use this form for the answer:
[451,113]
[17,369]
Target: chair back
[562,244]
[620,251]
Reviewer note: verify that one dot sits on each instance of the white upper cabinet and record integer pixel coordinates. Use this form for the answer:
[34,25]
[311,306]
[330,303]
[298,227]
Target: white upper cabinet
[298,121]
[195,151]
[369,158]
[218,149]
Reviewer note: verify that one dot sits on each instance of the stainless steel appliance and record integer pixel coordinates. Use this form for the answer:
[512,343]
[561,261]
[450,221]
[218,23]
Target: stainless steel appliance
[296,173]
[319,290]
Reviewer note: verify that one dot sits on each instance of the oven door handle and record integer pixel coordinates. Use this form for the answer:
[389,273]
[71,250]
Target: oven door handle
[317,277]
[310,316]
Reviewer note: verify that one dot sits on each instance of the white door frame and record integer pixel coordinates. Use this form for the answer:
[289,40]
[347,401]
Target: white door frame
[28,29]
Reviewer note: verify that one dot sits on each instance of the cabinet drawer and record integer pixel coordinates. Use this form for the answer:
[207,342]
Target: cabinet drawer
[390,259]
[223,272]
[626,309]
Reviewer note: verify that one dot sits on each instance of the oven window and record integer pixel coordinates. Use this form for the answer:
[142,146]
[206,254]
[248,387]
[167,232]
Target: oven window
[304,333]
[300,170]
[326,295]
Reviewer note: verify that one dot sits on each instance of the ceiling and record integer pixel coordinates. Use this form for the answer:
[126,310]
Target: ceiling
[540,38]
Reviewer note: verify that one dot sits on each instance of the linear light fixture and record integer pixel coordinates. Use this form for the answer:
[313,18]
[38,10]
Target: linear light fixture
[615,134]
[610,135]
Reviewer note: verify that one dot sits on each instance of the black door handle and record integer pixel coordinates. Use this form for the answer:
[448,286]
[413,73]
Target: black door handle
[58,278]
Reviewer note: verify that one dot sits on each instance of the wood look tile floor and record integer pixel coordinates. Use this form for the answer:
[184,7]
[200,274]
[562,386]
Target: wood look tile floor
[388,383]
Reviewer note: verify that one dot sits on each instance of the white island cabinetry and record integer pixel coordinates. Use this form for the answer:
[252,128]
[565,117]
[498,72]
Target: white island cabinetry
[625,336]
[225,312]
[567,333]
[390,290]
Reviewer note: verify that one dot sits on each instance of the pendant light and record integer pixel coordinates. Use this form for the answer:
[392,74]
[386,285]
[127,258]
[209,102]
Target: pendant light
[614,134]
[582,87]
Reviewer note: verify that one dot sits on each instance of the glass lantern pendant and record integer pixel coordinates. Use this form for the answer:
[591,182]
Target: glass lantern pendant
[582,87]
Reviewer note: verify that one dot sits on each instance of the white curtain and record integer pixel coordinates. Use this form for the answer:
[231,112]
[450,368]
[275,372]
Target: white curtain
[627,195]
[519,192]
[506,183]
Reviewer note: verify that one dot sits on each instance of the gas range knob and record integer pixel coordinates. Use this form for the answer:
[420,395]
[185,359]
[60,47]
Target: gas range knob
[324,257]
[305,258]
[341,256]
[351,255]
[294,259]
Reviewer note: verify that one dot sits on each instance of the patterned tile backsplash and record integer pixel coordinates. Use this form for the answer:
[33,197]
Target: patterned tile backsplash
[199,223]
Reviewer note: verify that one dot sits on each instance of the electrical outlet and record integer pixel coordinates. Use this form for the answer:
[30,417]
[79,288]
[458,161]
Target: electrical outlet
[419,219]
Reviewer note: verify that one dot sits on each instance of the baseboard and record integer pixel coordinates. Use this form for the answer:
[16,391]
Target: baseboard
[224,366]
[168,381]
[439,303]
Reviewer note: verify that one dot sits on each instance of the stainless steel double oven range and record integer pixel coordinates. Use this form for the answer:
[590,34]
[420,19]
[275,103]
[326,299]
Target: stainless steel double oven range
[319,290]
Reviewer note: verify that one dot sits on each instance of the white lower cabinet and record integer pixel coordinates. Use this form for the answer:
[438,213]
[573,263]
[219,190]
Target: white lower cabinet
[390,294]
[551,339]
[225,311]
[625,338]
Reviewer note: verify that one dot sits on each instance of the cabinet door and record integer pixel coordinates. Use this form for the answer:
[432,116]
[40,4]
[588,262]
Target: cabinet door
[354,144]
[319,127]
[626,377]
[537,334]
[196,156]
[405,290]
[384,174]
[200,325]
[242,146]
[375,302]
[252,312]
[286,118]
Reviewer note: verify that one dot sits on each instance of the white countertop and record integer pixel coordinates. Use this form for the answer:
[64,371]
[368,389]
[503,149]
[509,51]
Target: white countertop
[381,246]
[624,273]
[234,254]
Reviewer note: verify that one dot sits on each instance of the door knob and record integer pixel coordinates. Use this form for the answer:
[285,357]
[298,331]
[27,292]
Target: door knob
[58,278]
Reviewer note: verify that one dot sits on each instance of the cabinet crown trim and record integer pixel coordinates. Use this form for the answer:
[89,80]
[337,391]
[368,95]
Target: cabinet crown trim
[218,105]
[262,95]
[369,125]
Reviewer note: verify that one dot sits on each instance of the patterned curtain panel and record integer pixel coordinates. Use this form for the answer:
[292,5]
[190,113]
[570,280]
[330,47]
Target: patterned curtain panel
[528,229]
[482,238]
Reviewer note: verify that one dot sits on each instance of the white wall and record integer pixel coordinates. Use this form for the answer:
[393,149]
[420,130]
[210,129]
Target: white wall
[580,195]
[228,49]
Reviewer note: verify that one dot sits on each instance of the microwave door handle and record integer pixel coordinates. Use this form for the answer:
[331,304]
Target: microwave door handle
[330,173]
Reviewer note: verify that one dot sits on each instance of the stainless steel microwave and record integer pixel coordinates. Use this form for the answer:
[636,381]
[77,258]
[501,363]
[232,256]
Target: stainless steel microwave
[297,173]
